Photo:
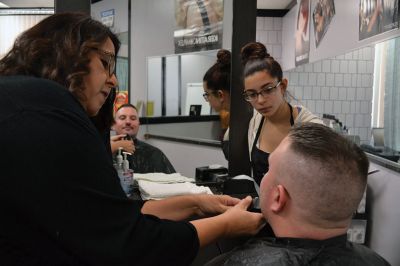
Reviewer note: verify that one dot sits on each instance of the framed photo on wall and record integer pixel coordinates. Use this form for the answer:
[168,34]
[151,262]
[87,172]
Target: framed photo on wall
[302,48]
[322,16]
[377,16]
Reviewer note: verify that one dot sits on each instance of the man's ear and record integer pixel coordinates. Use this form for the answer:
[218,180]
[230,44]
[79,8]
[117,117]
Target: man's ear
[279,198]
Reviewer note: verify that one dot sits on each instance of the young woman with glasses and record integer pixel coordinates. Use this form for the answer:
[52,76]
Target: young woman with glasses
[266,90]
[217,87]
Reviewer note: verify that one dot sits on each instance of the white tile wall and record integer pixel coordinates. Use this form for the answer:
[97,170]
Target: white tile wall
[341,86]
[269,32]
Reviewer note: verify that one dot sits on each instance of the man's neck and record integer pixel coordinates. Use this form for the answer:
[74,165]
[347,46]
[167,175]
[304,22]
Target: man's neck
[297,229]
[282,114]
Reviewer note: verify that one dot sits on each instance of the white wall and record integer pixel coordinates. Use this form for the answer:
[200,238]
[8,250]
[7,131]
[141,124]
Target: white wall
[269,32]
[384,214]
[341,86]
[154,84]
[341,36]
[152,26]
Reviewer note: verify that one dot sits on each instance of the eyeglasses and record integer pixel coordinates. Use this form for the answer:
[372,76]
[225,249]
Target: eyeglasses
[252,95]
[206,95]
[107,59]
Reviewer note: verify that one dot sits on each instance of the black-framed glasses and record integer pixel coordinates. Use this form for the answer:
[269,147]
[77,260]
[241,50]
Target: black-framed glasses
[107,59]
[206,95]
[252,95]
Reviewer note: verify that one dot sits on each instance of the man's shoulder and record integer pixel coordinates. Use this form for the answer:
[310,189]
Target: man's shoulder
[144,145]
[254,252]
[267,251]
[366,255]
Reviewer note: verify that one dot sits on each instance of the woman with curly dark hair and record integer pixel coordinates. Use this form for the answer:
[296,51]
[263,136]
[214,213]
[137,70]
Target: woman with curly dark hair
[265,89]
[60,196]
[217,88]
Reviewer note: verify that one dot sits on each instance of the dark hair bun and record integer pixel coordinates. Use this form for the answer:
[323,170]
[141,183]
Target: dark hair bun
[253,51]
[224,57]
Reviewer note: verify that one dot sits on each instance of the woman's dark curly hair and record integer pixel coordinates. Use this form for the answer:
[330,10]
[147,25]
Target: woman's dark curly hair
[255,58]
[218,77]
[57,48]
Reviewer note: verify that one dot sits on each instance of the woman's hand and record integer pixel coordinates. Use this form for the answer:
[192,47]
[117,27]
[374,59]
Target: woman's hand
[214,204]
[241,222]
[118,141]
[235,221]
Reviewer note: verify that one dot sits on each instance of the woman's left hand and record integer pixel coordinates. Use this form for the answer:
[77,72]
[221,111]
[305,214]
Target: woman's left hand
[214,204]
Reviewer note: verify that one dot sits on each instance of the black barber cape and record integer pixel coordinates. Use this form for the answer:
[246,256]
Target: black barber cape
[60,197]
[335,251]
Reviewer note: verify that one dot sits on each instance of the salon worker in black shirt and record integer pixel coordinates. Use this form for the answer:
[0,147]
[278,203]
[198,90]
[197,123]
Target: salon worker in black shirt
[60,198]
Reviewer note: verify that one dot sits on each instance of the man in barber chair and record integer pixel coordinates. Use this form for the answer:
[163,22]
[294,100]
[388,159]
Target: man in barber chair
[314,184]
[145,157]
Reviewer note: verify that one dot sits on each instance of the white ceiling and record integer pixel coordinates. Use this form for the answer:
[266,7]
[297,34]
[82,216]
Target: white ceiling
[261,4]
[273,4]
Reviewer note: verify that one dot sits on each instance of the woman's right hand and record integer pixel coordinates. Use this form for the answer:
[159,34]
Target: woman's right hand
[236,221]
[117,141]
[240,222]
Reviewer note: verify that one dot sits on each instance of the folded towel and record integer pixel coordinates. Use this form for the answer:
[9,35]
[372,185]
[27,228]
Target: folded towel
[152,190]
[163,178]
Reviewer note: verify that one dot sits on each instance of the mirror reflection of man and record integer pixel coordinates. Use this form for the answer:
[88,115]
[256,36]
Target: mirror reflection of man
[145,158]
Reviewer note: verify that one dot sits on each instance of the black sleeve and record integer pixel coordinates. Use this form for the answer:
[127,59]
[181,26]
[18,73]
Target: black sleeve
[58,179]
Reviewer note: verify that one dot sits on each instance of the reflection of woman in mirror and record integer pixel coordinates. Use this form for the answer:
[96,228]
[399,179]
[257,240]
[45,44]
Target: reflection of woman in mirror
[217,85]
[266,90]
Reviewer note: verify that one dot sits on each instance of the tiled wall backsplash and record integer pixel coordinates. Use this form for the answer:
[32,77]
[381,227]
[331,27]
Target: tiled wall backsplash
[341,86]
[269,32]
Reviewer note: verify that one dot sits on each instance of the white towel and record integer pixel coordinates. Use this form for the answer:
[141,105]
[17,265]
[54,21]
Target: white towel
[152,190]
[163,178]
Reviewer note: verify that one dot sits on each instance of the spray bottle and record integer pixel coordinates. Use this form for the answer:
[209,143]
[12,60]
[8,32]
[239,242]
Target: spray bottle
[127,175]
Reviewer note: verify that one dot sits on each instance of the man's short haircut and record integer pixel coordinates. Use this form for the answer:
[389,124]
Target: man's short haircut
[126,105]
[332,176]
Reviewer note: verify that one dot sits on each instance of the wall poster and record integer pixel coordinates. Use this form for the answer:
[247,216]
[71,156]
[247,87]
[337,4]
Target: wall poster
[377,16]
[198,25]
[322,16]
[302,50]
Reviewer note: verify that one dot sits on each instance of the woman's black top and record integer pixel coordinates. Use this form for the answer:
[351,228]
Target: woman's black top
[60,197]
[259,158]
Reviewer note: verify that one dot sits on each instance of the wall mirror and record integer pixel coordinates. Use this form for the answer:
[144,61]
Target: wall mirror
[361,89]
[175,84]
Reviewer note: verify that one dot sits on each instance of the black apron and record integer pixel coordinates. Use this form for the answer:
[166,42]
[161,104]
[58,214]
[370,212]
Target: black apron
[259,158]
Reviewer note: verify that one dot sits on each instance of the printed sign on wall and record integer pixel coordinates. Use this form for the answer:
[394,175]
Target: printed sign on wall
[107,17]
[198,25]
